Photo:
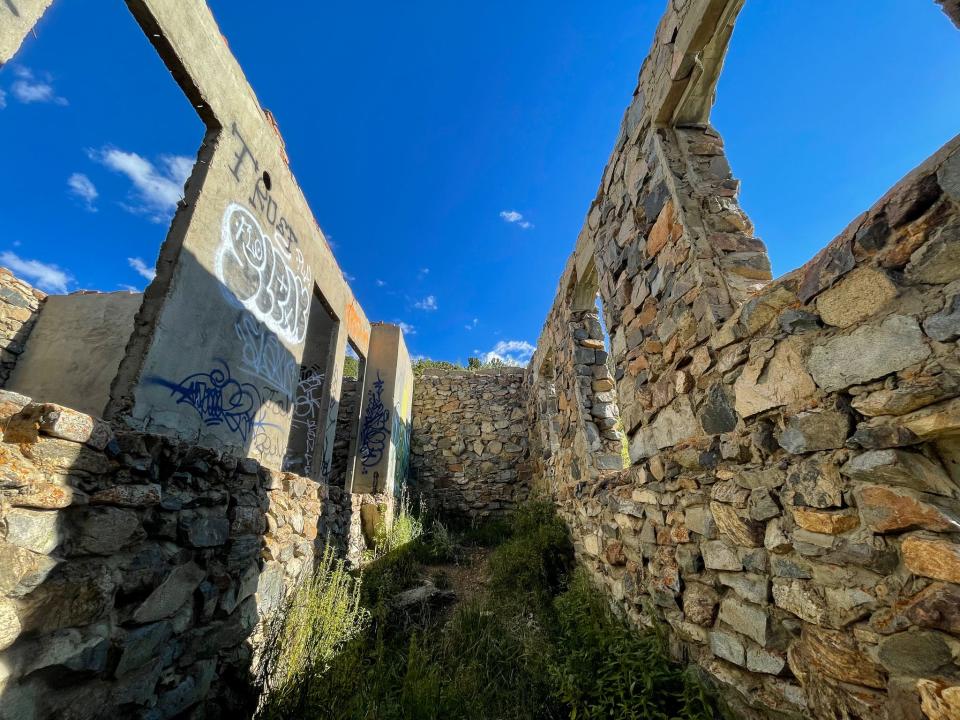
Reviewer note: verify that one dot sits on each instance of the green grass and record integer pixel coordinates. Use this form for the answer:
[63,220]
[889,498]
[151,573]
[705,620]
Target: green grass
[540,644]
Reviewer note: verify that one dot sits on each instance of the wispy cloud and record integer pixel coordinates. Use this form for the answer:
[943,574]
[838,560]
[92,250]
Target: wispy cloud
[381,283]
[82,187]
[407,328]
[423,272]
[428,303]
[129,288]
[3,99]
[472,324]
[511,352]
[142,269]
[29,88]
[156,188]
[513,217]
[348,277]
[47,277]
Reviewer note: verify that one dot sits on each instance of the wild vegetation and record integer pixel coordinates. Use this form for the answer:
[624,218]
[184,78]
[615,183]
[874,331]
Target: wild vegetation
[538,642]
[472,364]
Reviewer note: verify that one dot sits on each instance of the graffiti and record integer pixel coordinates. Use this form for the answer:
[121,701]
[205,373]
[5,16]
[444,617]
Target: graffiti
[306,417]
[273,284]
[329,437]
[401,445]
[264,356]
[356,327]
[217,398]
[375,432]
[267,445]
[261,200]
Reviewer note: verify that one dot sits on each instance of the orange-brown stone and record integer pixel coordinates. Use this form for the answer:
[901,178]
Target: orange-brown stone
[886,509]
[932,557]
[827,523]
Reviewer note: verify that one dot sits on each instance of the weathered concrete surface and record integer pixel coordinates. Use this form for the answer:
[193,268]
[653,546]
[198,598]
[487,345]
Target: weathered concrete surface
[17,18]
[383,444]
[75,349]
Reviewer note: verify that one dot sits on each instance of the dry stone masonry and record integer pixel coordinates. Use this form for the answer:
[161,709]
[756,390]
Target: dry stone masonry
[790,506]
[791,511]
[469,447]
[137,569]
[19,307]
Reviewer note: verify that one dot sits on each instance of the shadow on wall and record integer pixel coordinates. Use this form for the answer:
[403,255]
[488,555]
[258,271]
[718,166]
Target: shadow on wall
[135,569]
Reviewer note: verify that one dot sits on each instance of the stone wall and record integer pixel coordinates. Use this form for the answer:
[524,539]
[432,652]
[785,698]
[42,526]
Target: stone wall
[137,569]
[469,442]
[791,512]
[19,307]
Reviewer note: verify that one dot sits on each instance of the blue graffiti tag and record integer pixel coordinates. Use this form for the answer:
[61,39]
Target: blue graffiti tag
[374,433]
[217,397]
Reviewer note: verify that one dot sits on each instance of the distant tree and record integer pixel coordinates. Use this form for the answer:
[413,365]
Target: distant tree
[351,368]
[474,363]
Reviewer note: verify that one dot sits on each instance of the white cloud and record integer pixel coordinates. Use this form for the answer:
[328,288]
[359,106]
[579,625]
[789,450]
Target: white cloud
[129,288]
[142,268]
[423,273]
[156,190]
[48,278]
[511,352]
[30,89]
[407,328]
[381,283]
[82,187]
[428,303]
[512,216]
[472,324]
[348,277]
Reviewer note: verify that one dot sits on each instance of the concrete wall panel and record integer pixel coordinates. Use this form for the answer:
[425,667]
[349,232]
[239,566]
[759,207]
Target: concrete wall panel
[73,353]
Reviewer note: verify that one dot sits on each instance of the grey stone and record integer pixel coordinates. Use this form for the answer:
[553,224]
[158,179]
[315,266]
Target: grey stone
[949,176]
[39,531]
[749,586]
[699,519]
[172,593]
[795,321]
[867,353]
[105,530]
[717,555]
[716,413]
[815,430]
[761,505]
[674,423]
[917,654]
[728,646]
[901,467]
[203,530]
[765,661]
[944,326]
[937,261]
[9,623]
[141,644]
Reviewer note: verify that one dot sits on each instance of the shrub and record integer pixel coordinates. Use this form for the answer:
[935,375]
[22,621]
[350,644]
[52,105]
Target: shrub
[315,621]
[602,668]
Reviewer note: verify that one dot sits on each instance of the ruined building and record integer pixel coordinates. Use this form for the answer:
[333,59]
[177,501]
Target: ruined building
[791,505]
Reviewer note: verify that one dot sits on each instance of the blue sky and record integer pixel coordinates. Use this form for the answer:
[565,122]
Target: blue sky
[451,150]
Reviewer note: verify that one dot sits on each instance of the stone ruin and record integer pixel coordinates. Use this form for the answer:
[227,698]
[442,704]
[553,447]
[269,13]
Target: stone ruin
[790,507]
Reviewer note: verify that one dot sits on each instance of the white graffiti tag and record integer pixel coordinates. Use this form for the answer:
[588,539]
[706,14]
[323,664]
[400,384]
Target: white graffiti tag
[265,357]
[258,272]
